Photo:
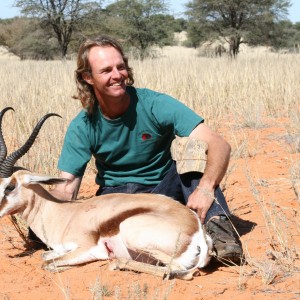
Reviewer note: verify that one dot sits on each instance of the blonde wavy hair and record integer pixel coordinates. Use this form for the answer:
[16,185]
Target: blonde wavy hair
[85,92]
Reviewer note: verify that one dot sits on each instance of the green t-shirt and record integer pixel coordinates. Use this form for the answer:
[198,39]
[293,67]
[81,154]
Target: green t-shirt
[134,148]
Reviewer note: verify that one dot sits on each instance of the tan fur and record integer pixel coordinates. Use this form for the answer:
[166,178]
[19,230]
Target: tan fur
[117,225]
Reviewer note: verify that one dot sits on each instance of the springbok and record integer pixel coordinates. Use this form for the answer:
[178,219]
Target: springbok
[144,231]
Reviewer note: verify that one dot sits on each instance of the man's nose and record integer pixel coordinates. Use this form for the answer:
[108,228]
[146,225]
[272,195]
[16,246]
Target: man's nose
[116,73]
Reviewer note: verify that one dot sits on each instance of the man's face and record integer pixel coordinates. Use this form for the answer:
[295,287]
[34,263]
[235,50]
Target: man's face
[108,73]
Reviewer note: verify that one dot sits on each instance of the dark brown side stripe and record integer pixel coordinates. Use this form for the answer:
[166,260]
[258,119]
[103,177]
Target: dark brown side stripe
[112,226]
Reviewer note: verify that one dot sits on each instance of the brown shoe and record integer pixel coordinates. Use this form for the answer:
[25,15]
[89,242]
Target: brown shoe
[225,240]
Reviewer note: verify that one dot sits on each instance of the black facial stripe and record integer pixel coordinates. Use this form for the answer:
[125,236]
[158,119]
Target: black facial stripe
[9,189]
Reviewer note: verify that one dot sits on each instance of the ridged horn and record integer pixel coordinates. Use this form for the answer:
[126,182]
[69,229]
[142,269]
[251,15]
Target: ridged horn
[3,148]
[6,168]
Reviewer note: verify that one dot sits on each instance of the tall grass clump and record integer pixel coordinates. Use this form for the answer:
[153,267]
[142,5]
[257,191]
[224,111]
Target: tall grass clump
[293,130]
[241,91]
[284,252]
[33,89]
[295,178]
[224,91]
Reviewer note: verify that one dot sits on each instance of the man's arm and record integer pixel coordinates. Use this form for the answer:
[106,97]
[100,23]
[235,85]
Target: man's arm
[69,189]
[217,162]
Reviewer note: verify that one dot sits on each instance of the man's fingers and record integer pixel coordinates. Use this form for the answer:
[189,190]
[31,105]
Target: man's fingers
[191,205]
[202,215]
[198,208]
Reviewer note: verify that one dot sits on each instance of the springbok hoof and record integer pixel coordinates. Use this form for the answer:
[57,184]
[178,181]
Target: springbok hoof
[55,269]
[50,255]
[113,266]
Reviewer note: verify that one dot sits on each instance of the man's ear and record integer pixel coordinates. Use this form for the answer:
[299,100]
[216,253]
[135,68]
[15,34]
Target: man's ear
[87,76]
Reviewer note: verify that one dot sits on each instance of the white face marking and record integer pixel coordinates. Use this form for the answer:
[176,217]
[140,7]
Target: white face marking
[3,184]
[10,201]
[3,199]
[10,206]
[2,189]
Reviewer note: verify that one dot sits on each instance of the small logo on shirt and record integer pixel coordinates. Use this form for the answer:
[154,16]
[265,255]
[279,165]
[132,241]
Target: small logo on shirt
[146,136]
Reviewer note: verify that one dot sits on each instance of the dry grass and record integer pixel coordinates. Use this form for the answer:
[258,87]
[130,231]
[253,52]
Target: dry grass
[228,93]
[283,254]
[238,92]
[295,178]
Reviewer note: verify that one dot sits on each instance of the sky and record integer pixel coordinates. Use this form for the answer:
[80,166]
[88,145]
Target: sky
[176,7]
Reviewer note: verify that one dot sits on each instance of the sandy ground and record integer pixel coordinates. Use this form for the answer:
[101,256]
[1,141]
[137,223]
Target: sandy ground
[257,186]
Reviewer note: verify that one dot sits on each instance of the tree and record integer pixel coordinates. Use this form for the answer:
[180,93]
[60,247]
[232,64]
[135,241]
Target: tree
[25,38]
[287,36]
[142,22]
[237,21]
[61,15]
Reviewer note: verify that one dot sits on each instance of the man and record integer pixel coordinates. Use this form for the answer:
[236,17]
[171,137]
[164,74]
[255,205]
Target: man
[130,133]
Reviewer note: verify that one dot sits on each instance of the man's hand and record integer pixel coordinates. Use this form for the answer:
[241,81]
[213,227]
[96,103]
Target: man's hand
[69,190]
[200,201]
[218,155]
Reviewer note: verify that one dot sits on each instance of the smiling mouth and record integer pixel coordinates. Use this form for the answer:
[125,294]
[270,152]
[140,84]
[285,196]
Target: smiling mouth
[120,83]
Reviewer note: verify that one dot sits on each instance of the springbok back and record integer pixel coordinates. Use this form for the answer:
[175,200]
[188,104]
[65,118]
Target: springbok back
[144,227]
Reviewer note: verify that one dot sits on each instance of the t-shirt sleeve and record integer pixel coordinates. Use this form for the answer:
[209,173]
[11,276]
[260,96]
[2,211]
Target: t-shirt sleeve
[171,112]
[76,152]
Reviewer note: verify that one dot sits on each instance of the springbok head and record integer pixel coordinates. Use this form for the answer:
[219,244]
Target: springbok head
[7,163]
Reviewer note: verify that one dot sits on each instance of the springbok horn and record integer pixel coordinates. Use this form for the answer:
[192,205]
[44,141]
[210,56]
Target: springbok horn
[3,148]
[6,169]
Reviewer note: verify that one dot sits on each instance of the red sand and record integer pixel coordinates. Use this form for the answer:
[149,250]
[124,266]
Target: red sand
[265,160]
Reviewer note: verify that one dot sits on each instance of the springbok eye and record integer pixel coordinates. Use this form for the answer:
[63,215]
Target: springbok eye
[9,189]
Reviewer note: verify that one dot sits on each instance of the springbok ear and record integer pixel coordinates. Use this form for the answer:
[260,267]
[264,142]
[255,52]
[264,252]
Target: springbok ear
[43,179]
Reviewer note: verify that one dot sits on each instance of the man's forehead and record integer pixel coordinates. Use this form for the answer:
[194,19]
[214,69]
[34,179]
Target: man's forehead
[104,52]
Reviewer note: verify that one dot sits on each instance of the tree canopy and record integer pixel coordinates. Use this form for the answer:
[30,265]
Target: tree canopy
[237,21]
[52,28]
[61,15]
[142,23]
